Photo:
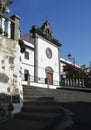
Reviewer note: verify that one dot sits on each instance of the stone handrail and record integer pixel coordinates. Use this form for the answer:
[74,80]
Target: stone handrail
[10,26]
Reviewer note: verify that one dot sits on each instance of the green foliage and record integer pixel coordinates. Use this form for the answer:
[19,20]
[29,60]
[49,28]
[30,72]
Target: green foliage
[22,45]
[88,79]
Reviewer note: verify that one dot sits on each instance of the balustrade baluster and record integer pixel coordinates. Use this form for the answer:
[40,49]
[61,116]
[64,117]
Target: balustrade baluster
[9,29]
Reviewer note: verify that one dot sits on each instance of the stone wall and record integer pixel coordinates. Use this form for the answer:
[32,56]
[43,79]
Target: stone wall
[10,70]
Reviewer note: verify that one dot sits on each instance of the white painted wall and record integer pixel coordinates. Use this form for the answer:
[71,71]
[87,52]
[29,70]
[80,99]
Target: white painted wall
[62,64]
[28,63]
[44,61]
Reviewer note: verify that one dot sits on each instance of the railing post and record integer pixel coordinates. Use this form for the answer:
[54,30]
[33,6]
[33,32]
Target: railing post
[77,83]
[65,82]
[60,83]
[47,82]
[2,25]
[68,84]
[28,79]
[9,29]
[1,22]
[83,83]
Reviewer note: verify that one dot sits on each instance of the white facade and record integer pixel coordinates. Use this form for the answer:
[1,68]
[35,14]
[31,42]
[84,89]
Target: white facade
[44,60]
[28,63]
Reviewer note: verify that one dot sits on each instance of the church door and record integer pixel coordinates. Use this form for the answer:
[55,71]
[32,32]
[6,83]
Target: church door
[50,78]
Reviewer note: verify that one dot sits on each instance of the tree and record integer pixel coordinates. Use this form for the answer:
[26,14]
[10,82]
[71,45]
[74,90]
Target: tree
[73,71]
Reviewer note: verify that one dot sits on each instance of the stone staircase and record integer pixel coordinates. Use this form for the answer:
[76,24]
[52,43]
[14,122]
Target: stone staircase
[42,111]
[33,94]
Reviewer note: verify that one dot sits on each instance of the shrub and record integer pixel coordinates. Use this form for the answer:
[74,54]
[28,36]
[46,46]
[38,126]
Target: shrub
[22,45]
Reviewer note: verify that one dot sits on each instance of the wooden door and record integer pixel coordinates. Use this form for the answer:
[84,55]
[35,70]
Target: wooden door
[50,78]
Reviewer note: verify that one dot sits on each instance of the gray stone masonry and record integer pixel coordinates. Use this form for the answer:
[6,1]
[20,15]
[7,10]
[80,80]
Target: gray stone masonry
[15,28]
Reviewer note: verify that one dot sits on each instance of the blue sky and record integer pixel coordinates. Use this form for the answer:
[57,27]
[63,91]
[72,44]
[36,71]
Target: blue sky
[70,21]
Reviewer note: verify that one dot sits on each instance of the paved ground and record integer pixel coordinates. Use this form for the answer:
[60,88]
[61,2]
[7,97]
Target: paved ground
[82,115]
[81,109]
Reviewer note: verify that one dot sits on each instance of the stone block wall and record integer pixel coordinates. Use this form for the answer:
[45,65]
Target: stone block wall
[10,70]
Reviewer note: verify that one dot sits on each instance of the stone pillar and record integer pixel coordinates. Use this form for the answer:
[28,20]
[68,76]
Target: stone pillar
[9,29]
[15,27]
[35,36]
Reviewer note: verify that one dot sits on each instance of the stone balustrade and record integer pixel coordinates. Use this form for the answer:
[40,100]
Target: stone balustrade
[10,26]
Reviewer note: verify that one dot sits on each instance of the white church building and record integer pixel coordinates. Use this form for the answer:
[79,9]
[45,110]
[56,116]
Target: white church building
[41,60]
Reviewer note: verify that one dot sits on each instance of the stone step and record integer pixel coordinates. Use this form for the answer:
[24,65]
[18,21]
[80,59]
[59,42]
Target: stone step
[41,103]
[17,124]
[33,94]
[41,109]
[29,92]
[37,124]
[39,116]
[31,88]
[37,98]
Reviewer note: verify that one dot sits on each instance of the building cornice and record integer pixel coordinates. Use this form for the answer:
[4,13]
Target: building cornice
[35,30]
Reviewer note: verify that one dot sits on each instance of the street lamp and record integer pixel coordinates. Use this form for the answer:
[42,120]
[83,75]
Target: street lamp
[70,58]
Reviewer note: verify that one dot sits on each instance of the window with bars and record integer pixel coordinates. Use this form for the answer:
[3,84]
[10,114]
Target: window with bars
[26,74]
[27,55]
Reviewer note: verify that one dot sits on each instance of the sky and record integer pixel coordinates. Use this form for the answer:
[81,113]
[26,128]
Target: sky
[70,21]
